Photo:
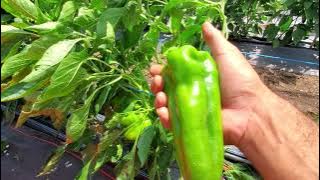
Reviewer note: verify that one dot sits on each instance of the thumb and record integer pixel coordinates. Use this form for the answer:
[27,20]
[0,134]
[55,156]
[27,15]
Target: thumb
[225,53]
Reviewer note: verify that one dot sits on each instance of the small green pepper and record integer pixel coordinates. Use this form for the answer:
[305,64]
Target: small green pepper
[131,118]
[134,131]
[192,85]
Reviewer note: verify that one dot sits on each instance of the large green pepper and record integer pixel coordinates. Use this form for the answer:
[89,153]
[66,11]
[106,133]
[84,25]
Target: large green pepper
[192,85]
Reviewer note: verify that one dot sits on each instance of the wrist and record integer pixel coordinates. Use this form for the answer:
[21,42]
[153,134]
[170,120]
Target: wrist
[276,137]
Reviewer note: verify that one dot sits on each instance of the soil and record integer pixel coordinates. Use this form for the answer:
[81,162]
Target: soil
[300,90]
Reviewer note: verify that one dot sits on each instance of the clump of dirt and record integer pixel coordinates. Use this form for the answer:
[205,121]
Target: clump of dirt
[300,90]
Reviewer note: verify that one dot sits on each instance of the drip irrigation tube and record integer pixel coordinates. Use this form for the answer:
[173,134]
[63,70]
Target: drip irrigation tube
[282,58]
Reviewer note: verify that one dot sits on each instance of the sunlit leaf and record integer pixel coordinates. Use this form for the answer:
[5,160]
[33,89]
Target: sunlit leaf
[30,55]
[52,56]
[20,8]
[67,76]
[68,11]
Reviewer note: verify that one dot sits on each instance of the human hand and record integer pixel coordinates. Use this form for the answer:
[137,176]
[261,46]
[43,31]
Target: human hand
[280,141]
[240,86]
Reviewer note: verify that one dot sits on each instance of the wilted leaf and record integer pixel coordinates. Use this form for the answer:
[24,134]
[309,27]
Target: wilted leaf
[9,114]
[51,57]
[52,161]
[67,76]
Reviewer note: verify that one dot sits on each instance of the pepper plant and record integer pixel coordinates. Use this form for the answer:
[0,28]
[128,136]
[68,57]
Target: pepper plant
[76,60]
[286,22]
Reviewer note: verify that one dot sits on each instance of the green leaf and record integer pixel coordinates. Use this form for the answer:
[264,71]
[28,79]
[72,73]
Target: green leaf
[175,21]
[110,35]
[107,151]
[132,14]
[85,171]
[103,96]
[271,32]
[30,55]
[85,18]
[77,123]
[109,18]
[20,8]
[289,2]
[127,167]
[44,28]
[275,43]
[187,36]
[131,38]
[144,143]
[285,23]
[181,4]
[52,161]
[42,18]
[299,34]
[51,57]
[8,51]
[312,11]
[307,4]
[98,4]
[10,33]
[67,76]
[68,12]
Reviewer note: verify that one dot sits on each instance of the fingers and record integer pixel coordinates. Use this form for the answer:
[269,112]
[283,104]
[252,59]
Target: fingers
[161,98]
[163,114]
[161,103]
[156,69]
[226,54]
[157,84]
[217,43]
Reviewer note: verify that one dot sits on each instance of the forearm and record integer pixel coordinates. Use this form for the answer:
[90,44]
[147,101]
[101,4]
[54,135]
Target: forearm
[281,142]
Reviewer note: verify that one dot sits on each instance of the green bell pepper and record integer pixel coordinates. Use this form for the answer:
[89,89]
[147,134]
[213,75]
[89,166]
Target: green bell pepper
[192,85]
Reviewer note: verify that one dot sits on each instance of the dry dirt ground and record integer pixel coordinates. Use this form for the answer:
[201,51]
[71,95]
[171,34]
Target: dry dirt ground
[300,90]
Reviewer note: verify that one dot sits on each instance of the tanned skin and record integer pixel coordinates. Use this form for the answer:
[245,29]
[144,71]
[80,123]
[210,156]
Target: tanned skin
[281,142]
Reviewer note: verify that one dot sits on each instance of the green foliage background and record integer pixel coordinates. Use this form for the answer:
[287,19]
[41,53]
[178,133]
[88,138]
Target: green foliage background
[74,59]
